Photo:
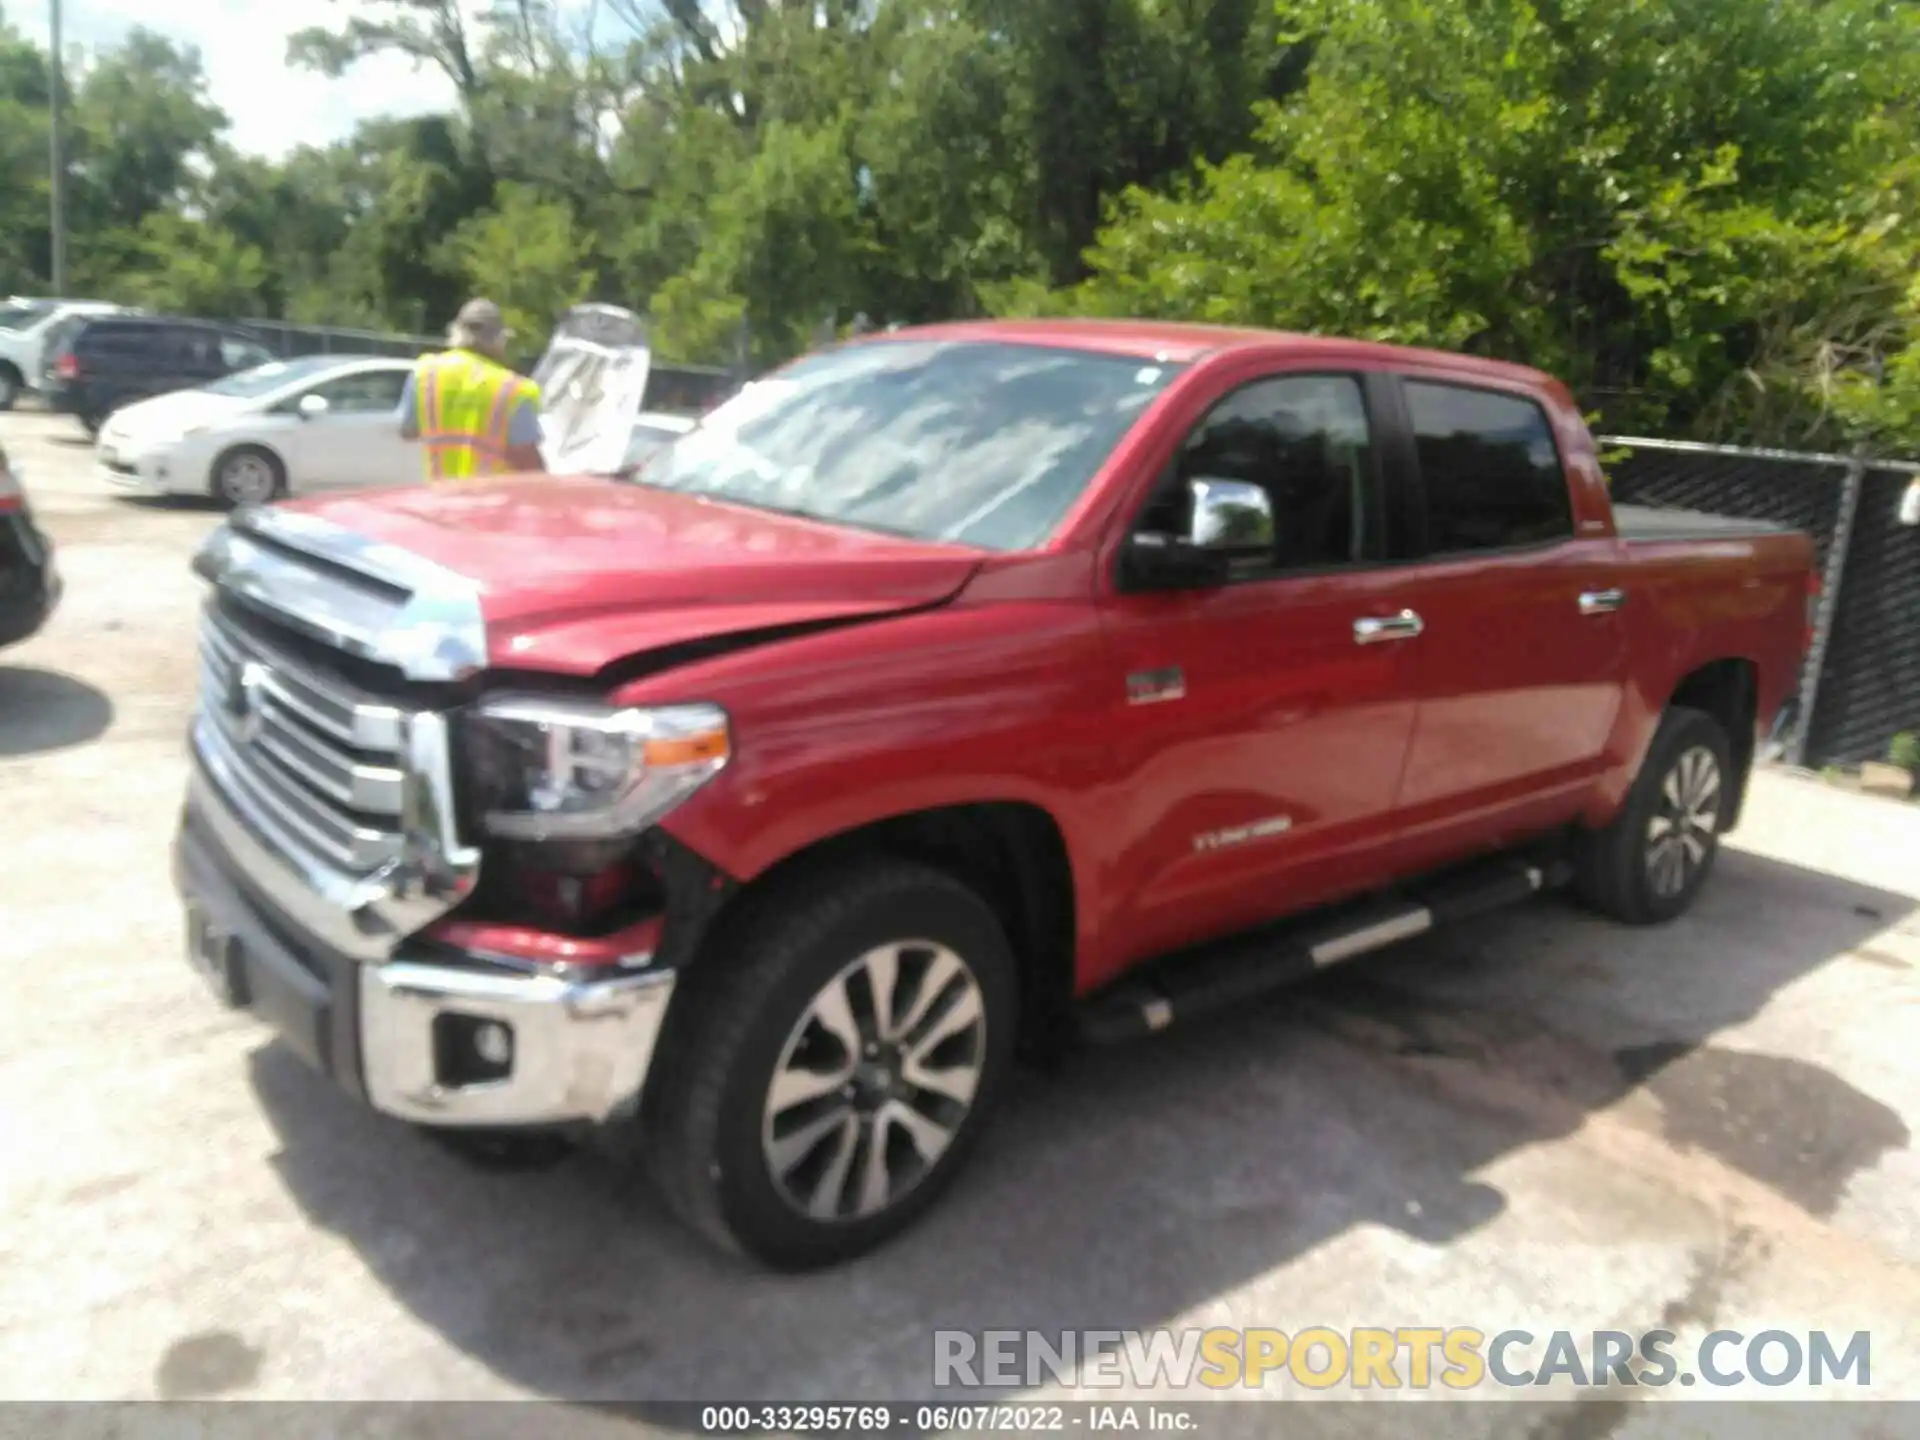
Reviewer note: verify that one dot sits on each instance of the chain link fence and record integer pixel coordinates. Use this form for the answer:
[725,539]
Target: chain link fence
[1861,685]
[290,341]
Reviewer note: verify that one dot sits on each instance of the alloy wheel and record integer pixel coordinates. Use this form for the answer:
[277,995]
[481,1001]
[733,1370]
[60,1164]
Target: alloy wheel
[874,1081]
[1685,822]
[247,480]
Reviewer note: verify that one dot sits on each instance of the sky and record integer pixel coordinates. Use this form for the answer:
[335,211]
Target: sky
[243,45]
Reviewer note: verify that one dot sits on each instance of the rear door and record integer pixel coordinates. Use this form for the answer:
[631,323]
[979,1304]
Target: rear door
[1521,656]
[191,358]
[124,362]
[1259,740]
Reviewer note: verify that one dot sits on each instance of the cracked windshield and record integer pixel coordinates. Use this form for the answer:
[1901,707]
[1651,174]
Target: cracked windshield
[981,444]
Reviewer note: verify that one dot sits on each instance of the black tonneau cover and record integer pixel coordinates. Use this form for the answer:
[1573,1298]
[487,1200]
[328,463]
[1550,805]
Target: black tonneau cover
[1643,522]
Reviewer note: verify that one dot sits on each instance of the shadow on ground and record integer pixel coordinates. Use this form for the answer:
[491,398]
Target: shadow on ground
[42,710]
[192,504]
[1138,1182]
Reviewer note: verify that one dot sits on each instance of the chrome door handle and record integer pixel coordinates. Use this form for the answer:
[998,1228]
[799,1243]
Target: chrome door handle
[1376,628]
[1601,602]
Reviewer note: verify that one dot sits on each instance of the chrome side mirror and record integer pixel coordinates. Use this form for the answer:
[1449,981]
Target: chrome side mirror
[1230,517]
[1227,520]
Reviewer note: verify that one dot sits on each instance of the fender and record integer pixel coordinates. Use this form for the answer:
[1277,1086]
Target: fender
[845,728]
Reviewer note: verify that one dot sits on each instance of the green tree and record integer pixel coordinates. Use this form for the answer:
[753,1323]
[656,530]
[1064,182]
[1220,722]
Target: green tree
[143,133]
[1676,201]
[187,266]
[24,242]
[527,254]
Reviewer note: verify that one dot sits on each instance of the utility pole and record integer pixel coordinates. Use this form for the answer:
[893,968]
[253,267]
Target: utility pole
[56,151]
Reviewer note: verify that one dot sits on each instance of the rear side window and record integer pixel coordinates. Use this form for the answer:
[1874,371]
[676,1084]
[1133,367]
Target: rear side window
[21,314]
[238,354]
[62,337]
[123,342]
[201,349]
[364,393]
[1492,473]
[101,339]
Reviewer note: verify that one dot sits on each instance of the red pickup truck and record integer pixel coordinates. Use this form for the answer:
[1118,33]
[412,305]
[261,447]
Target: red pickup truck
[960,692]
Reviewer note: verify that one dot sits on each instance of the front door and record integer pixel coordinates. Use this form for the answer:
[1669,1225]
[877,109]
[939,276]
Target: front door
[1260,725]
[1522,660]
[356,440]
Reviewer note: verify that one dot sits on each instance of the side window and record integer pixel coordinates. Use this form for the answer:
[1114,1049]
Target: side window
[371,390]
[241,354]
[1492,473]
[1305,440]
[197,351]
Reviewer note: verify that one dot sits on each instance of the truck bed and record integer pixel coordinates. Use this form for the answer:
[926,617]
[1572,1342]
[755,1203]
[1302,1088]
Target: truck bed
[1644,522]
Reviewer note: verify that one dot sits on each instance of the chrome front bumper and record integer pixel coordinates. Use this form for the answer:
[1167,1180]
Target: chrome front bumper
[391,1030]
[580,1049]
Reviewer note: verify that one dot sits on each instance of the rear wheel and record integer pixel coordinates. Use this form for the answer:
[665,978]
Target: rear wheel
[248,475]
[10,386]
[834,1066]
[1649,864]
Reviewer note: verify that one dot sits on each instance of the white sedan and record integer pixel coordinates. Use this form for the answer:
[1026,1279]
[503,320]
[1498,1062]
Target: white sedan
[317,423]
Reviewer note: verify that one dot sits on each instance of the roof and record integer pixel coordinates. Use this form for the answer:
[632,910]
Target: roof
[123,319]
[1179,342]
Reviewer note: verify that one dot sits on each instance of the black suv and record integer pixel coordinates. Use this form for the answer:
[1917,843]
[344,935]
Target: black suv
[29,581]
[97,363]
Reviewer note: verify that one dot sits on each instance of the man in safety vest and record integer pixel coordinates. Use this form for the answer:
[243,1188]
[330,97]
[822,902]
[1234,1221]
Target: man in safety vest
[471,414]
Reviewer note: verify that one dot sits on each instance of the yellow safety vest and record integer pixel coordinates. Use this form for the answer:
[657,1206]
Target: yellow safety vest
[463,405]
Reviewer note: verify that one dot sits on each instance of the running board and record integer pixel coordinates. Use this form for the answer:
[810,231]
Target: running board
[1231,972]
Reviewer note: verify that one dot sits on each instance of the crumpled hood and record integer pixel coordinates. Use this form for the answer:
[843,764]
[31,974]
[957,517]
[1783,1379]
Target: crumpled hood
[575,574]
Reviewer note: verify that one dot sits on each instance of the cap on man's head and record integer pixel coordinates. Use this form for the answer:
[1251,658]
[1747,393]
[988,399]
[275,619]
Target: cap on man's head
[479,322]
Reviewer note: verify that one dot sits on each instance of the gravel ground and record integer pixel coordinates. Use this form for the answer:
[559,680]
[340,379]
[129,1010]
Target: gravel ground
[1541,1121]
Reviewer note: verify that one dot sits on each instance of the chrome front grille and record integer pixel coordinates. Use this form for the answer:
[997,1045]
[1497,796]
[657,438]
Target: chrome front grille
[312,762]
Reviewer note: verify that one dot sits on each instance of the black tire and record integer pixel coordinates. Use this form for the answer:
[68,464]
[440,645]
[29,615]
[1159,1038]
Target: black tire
[265,476]
[710,1131]
[1627,870]
[11,384]
[91,421]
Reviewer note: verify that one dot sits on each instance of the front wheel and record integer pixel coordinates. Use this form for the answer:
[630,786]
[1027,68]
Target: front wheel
[834,1064]
[10,386]
[1649,864]
[248,475]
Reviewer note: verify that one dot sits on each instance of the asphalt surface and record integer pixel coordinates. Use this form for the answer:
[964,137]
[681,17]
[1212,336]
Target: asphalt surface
[1542,1121]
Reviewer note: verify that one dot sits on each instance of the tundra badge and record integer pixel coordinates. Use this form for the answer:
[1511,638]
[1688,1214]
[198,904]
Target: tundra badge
[1243,834]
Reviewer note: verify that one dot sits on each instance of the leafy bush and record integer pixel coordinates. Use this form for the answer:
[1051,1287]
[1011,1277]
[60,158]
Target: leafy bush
[1904,751]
